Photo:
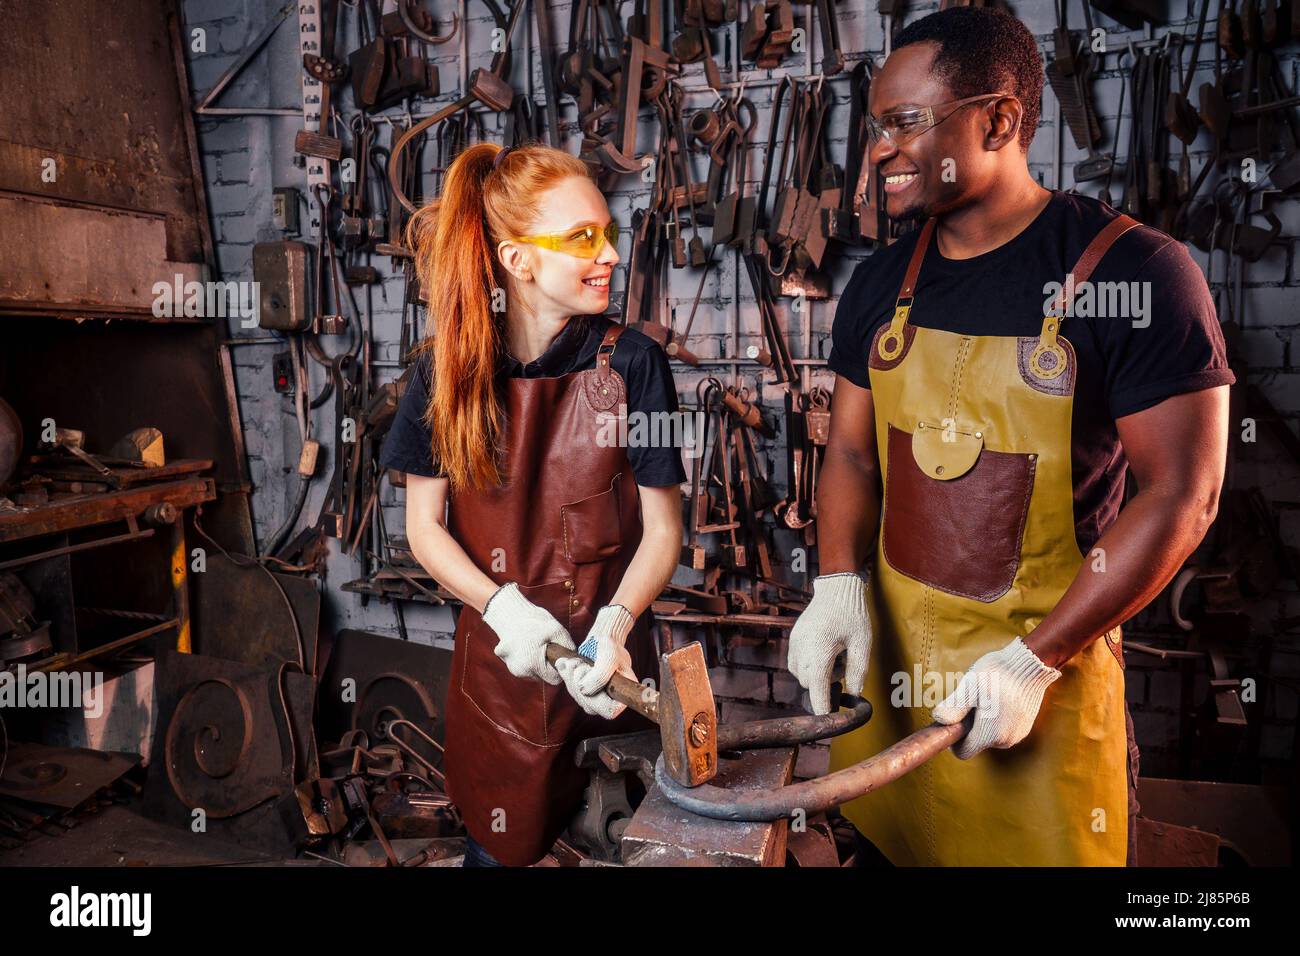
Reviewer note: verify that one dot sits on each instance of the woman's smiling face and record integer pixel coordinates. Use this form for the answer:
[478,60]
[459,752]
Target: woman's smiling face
[564,283]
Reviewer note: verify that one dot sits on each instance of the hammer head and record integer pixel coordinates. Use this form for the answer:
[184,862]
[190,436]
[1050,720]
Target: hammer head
[492,91]
[688,719]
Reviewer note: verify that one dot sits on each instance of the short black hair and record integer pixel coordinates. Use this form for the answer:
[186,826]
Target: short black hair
[984,50]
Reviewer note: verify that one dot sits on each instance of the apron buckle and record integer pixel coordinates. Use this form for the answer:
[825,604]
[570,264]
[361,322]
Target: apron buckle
[891,343]
[1049,359]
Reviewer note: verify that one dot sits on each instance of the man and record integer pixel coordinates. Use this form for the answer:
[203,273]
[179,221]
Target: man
[982,426]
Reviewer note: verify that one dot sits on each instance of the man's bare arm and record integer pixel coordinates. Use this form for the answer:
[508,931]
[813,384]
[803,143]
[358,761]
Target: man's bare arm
[848,487]
[1177,451]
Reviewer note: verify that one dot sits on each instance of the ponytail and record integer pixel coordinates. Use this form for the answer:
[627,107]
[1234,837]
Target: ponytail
[455,240]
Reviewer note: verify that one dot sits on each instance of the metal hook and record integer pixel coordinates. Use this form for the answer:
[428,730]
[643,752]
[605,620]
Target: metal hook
[408,20]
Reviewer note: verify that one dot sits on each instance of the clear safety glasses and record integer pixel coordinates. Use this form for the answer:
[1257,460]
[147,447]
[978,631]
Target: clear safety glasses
[903,126]
[585,243]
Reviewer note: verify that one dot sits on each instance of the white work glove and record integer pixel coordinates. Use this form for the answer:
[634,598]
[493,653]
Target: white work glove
[577,674]
[523,630]
[1005,689]
[835,620]
[604,647]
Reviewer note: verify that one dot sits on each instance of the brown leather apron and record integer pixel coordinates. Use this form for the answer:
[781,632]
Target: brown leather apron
[564,526]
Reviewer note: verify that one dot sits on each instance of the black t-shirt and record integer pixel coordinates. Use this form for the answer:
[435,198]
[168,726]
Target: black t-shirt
[1122,368]
[637,358]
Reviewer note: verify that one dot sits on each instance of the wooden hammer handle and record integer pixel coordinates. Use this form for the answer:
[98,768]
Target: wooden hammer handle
[640,697]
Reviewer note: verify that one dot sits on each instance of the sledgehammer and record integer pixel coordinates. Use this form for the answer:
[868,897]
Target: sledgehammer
[688,724]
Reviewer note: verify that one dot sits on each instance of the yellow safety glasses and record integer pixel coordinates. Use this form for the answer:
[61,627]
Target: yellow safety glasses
[585,243]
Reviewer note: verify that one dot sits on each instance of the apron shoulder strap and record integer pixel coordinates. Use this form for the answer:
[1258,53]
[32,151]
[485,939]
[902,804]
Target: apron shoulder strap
[1048,360]
[1088,261]
[914,264]
[890,345]
[606,350]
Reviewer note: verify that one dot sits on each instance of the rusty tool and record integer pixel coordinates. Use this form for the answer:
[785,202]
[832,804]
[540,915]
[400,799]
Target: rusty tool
[815,796]
[687,718]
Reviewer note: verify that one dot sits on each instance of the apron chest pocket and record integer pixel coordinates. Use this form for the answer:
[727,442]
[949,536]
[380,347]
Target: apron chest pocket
[592,527]
[955,512]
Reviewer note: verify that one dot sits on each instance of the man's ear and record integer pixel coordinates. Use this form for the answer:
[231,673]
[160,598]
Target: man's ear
[1006,114]
[514,257]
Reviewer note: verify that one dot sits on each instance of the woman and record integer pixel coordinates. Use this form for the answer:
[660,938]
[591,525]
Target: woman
[516,501]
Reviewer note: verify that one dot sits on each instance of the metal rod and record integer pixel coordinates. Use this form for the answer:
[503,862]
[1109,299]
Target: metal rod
[813,796]
[800,729]
[69,549]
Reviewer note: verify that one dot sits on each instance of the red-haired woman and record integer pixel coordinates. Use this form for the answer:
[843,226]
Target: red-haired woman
[517,499]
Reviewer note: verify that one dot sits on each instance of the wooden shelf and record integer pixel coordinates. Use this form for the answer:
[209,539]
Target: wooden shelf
[84,511]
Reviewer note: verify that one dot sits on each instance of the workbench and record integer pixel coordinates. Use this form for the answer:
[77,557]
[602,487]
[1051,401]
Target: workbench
[85,522]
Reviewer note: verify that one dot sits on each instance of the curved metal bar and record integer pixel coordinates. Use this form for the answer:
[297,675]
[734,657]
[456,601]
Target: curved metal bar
[788,731]
[813,796]
[399,147]
[410,24]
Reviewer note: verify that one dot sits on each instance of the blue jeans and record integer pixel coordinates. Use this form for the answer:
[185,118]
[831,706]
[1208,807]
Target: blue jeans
[475,855]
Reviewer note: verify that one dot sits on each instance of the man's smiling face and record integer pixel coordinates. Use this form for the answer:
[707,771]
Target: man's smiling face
[941,168]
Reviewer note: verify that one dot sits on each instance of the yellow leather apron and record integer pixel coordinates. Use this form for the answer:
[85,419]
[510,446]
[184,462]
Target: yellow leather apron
[977,544]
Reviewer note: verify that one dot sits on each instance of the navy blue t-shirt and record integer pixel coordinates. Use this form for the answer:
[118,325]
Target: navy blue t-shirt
[1123,368]
[637,358]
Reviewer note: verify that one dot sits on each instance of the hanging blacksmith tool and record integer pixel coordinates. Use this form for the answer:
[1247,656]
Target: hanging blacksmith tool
[329,70]
[779,34]
[733,211]
[778,351]
[1097,164]
[385,71]
[698,256]
[354,226]
[693,553]
[420,23]
[760,557]
[645,73]
[796,510]
[1105,194]
[1181,117]
[828,180]
[694,44]
[369,61]
[867,222]
[485,86]
[1069,75]
[829,27]
[327,323]
[545,43]
[776,229]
